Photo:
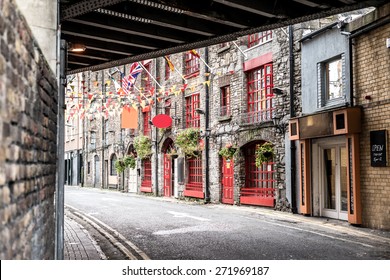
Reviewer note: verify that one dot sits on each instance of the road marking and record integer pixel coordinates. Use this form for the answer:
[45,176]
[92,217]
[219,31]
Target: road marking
[110,199]
[112,239]
[314,232]
[185,215]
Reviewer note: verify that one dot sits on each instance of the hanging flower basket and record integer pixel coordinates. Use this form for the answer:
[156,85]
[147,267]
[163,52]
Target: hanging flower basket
[143,146]
[129,161]
[120,166]
[228,151]
[188,142]
[264,153]
[126,162]
[172,153]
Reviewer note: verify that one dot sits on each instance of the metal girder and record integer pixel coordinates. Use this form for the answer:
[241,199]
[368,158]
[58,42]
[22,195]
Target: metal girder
[127,31]
[84,7]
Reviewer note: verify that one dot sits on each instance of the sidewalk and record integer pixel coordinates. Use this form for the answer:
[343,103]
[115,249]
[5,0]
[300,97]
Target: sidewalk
[78,244]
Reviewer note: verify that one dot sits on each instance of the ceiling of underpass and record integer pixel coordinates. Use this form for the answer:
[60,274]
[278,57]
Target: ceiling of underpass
[117,32]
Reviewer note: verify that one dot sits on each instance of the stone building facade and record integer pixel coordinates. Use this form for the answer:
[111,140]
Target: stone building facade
[211,83]
[240,94]
[28,142]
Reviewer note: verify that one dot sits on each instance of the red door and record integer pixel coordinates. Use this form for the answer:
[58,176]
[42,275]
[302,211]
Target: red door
[167,175]
[227,181]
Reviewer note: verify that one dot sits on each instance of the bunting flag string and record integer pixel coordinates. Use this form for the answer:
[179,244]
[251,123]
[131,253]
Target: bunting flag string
[82,99]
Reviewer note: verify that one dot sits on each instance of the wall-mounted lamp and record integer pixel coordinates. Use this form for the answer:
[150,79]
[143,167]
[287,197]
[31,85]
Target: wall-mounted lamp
[199,111]
[205,133]
[345,33]
[280,127]
[277,91]
[76,47]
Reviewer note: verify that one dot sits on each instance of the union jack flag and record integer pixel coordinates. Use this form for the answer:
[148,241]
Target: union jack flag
[128,82]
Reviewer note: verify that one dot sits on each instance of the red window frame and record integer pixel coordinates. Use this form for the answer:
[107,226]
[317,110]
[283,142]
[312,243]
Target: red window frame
[146,118]
[146,184]
[258,38]
[192,117]
[194,184]
[260,181]
[225,101]
[167,70]
[192,65]
[148,81]
[260,105]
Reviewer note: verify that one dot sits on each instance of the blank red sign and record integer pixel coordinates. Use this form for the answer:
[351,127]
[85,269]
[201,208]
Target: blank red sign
[162,121]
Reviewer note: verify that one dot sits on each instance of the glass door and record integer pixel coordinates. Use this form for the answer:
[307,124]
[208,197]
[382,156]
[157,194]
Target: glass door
[334,182]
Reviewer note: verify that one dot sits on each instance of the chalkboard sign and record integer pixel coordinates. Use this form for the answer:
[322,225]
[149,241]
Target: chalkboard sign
[378,147]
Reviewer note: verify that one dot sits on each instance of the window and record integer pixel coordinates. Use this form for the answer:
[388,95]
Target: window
[112,165]
[194,185]
[89,167]
[225,101]
[167,69]
[259,38]
[167,107]
[192,63]
[192,117]
[146,119]
[260,97]
[93,140]
[223,45]
[148,81]
[331,85]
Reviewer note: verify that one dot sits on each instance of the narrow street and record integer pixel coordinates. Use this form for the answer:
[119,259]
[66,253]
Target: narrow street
[145,227]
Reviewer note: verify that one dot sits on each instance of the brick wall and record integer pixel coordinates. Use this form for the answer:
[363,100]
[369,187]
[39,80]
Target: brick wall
[372,72]
[28,130]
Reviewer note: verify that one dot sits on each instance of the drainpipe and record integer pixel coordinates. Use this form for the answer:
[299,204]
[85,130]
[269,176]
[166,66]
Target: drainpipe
[292,114]
[207,141]
[103,131]
[350,71]
[156,135]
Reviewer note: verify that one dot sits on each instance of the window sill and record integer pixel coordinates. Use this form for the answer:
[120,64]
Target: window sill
[223,49]
[192,75]
[225,118]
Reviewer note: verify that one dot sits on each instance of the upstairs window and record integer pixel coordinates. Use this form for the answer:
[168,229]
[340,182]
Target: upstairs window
[259,38]
[148,81]
[225,101]
[192,117]
[168,68]
[331,87]
[146,118]
[192,65]
[260,97]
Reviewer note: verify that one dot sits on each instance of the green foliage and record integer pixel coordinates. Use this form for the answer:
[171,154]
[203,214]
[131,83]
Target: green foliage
[119,166]
[129,161]
[123,163]
[188,142]
[228,151]
[264,153]
[143,146]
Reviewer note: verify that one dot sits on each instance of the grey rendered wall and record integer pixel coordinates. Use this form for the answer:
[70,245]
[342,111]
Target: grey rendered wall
[322,47]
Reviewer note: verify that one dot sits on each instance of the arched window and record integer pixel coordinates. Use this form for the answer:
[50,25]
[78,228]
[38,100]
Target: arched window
[112,165]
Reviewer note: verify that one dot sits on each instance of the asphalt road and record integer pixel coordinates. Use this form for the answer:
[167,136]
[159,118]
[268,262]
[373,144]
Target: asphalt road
[168,229]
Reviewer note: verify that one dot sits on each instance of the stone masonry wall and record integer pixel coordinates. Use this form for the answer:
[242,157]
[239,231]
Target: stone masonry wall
[28,130]
[372,72]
